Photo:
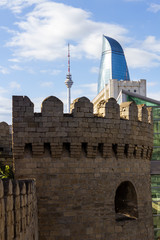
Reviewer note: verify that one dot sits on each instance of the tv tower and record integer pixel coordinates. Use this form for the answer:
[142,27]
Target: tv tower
[68,83]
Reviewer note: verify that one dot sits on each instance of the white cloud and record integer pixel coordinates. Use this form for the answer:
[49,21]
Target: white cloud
[5,109]
[16,67]
[8,30]
[151,44]
[144,54]
[16,60]
[60,24]
[151,84]
[45,31]
[30,70]
[17,5]
[3,90]
[56,72]
[51,72]
[46,84]
[5,105]
[154,7]
[15,85]
[139,58]
[95,70]
[4,70]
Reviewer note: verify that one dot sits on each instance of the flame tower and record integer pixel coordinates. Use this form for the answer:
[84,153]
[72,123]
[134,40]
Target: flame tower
[113,63]
[68,82]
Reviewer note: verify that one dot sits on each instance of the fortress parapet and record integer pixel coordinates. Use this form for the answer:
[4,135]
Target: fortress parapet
[114,124]
[91,170]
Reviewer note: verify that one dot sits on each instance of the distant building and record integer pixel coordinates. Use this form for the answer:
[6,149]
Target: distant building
[114,82]
[114,87]
[113,63]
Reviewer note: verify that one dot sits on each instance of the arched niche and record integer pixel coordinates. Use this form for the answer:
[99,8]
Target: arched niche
[28,150]
[126,207]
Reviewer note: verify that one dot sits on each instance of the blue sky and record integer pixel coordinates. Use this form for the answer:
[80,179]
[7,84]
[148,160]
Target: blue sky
[33,44]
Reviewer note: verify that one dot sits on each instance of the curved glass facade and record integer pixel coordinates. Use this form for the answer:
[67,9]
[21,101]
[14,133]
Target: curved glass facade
[113,63]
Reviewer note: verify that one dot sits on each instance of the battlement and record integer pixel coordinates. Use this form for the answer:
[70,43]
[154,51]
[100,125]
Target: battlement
[18,216]
[113,124]
[81,107]
[84,165]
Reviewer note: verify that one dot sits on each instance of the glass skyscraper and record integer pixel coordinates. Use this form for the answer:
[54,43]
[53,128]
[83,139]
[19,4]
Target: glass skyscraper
[113,63]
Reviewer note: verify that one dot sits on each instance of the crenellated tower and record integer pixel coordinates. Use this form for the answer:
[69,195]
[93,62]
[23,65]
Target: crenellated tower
[92,171]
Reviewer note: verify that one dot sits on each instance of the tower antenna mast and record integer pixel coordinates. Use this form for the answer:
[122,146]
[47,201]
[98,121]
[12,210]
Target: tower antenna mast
[68,82]
[68,59]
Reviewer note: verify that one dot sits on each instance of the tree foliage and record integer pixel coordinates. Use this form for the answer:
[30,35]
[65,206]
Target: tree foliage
[6,171]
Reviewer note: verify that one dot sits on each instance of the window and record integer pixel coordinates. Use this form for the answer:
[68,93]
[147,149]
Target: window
[135,151]
[114,149]
[126,202]
[28,150]
[100,149]
[142,151]
[84,149]
[126,150]
[47,150]
[66,149]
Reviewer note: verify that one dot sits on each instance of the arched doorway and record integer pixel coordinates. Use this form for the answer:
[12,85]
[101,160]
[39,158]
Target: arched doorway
[126,206]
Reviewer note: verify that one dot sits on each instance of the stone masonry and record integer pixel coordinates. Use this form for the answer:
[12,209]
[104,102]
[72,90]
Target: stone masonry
[6,156]
[18,210]
[92,171]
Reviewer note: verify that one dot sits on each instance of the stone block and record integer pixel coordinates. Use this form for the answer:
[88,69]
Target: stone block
[52,106]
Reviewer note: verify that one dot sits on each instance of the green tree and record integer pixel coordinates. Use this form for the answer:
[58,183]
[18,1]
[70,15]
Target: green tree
[6,171]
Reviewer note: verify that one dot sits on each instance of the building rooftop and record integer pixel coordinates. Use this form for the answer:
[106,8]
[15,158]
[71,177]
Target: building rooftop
[145,100]
[114,45]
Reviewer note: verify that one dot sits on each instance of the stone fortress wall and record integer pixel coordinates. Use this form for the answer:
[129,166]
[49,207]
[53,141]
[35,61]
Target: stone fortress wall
[6,156]
[92,171]
[18,210]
